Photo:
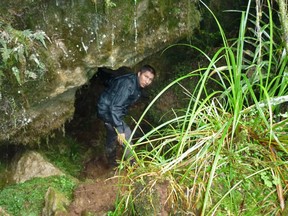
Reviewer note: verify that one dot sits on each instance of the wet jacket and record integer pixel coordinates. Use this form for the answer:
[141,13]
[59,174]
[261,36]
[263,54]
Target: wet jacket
[115,100]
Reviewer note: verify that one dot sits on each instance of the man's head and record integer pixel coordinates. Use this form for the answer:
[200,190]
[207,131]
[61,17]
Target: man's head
[146,75]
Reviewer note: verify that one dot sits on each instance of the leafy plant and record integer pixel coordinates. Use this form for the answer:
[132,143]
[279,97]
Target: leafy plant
[20,57]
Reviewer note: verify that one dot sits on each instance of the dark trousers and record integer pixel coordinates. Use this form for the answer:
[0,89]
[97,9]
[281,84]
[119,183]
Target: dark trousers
[111,142]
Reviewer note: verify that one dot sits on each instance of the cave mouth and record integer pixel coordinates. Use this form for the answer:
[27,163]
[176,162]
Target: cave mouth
[85,127]
[7,152]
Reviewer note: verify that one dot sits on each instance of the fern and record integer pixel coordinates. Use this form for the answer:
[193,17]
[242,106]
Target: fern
[5,52]
[19,55]
[16,73]
[40,36]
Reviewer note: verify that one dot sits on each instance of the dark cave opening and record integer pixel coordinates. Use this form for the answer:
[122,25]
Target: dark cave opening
[85,126]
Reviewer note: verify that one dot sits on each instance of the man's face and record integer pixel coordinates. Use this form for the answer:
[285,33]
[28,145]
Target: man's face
[145,78]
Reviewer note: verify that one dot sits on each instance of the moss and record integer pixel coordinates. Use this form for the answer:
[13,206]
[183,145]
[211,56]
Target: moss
[146,199]
[28,198]
[55,203]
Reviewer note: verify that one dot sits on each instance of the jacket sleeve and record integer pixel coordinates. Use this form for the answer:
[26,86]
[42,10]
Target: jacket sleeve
[121,91]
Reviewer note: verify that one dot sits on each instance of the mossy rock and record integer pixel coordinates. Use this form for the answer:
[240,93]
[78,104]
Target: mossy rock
[150,198]
[55,203]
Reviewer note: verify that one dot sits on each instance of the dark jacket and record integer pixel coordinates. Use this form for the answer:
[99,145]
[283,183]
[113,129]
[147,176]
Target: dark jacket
[115,100]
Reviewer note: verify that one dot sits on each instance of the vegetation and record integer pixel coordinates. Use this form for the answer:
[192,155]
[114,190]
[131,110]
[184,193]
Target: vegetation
[65,153]
[28,198]
[20,66]
[20,58]
[226,152]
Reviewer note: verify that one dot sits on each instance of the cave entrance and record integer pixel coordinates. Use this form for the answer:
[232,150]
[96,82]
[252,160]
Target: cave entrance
[85,127]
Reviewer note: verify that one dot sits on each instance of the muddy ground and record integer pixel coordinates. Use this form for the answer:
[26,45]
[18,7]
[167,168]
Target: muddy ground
[97,194]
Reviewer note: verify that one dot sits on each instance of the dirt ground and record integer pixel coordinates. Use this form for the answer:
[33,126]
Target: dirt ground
[97,194]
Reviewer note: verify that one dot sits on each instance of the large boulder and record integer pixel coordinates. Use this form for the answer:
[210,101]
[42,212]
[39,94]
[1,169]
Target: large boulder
[30,165]
[82,35]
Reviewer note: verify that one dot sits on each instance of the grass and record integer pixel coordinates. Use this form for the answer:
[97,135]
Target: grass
[226,155]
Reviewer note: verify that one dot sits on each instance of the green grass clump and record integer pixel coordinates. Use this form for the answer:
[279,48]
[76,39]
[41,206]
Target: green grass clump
[226,152]
[28,198]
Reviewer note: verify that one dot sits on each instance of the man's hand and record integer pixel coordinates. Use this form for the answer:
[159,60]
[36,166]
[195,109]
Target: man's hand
[121,138]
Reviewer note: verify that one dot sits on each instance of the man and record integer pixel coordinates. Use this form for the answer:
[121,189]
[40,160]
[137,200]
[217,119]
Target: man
[113,105]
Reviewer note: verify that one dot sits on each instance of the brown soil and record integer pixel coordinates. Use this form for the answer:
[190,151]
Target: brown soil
[97,195]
